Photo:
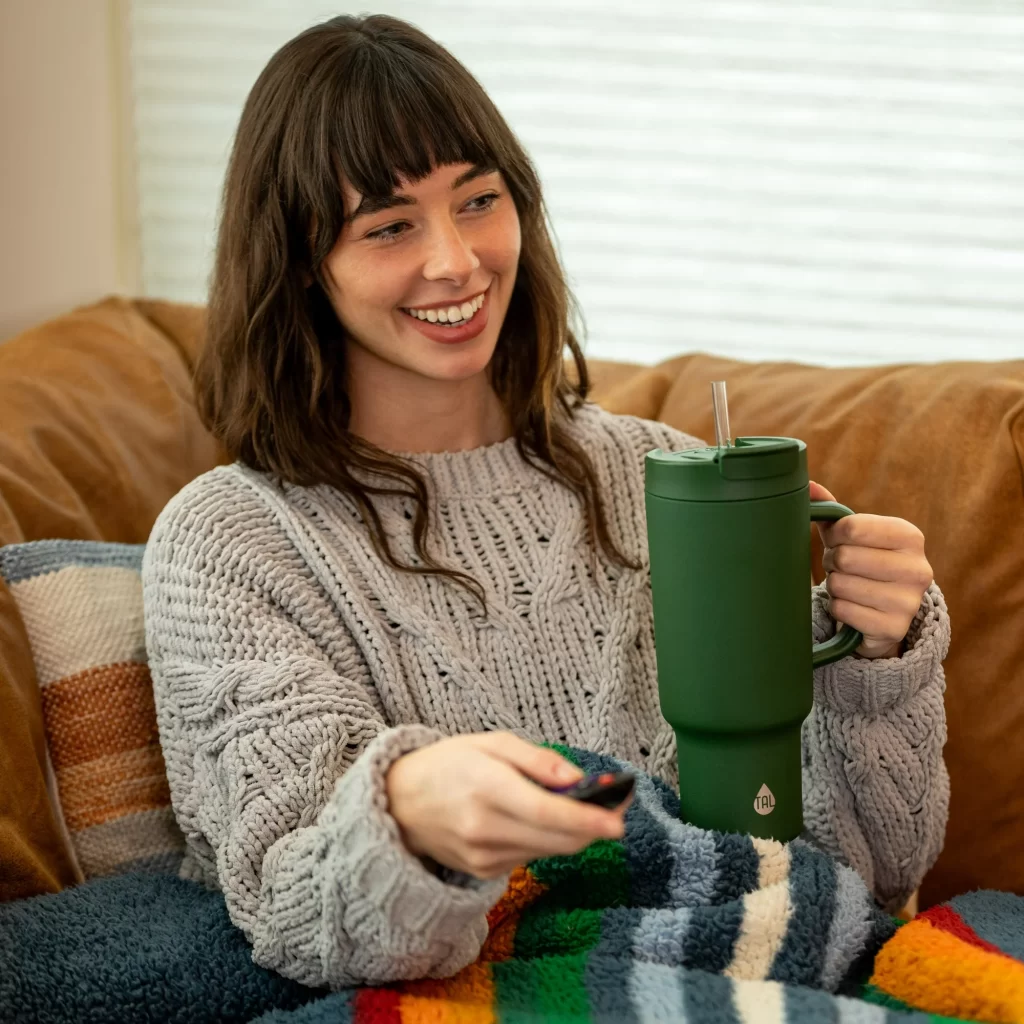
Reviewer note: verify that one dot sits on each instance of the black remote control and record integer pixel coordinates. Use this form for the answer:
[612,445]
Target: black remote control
[607,789]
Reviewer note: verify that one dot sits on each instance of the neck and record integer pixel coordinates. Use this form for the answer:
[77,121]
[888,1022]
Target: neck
[401,411]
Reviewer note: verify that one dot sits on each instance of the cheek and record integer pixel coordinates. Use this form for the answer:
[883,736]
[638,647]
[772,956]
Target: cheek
[366,285]
[501,244]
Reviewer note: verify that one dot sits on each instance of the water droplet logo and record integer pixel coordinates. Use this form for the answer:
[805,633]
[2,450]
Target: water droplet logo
[764,802]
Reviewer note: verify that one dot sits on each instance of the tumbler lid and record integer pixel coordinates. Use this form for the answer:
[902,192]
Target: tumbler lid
[753,467]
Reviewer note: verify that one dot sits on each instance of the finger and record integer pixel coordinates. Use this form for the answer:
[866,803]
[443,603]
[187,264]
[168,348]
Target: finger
[870,531]
[871,622]
[528,804]
[873,594]
[545,766]
[498,843]
[819,493]
[879,564]
[484,830]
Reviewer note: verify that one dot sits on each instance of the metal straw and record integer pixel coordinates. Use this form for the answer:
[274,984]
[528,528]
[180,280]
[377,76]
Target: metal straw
[722,436]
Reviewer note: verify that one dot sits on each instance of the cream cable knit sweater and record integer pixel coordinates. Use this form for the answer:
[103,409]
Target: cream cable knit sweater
[291,668]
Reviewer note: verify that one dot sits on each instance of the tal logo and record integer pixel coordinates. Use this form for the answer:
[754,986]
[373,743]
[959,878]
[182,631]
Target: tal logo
[764,802]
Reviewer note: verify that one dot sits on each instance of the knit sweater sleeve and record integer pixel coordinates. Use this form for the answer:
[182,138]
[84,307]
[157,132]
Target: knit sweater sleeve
[277,748]
[876,790]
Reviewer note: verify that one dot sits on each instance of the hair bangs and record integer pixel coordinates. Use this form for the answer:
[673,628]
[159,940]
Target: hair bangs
[401,119]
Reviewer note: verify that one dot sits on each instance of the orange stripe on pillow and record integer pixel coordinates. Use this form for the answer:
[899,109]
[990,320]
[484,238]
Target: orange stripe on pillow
[109,787]
[465,998]
[932,970]
[98,712]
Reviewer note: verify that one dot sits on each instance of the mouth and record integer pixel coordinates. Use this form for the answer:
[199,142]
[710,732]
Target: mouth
[451,324]
[452,315]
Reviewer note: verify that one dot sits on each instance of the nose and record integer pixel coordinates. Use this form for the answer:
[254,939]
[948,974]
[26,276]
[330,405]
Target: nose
[450,256]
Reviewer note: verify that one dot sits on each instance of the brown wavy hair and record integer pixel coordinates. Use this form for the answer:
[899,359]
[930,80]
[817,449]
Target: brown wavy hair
[365,100]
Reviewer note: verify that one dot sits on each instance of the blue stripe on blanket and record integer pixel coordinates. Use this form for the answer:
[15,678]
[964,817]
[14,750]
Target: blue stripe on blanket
[711,937]
[739,866]
[812,891]
[807,1006]
[658,992]
[996,917]
[708,998]
[337,1008]
[35,558]
[609,965]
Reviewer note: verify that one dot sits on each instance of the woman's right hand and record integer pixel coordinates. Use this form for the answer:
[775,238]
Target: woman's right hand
[469,803]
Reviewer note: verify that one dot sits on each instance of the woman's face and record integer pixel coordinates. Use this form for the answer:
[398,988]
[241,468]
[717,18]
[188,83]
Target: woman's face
[422,280]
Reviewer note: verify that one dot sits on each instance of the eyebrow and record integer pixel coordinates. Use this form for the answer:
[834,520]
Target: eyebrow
[375,204]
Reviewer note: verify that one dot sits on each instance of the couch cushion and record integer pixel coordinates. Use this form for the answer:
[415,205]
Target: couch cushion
[98,431]
[81,603]
[943,446]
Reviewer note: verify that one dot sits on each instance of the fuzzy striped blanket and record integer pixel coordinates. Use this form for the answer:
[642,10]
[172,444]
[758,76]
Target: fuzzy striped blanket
[671,924]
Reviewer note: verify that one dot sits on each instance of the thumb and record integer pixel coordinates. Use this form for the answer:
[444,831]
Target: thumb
[547,767]
[819,493]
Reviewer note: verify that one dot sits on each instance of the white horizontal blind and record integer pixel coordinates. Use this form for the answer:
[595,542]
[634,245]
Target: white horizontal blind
[838,181]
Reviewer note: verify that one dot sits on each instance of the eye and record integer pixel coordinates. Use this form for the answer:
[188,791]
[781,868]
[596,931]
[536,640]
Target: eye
[392,232]
[485,201]
[389,233]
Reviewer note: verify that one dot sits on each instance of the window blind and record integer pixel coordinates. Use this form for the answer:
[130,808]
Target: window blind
[838,182]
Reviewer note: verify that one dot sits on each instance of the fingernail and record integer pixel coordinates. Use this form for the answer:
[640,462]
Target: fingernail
[567,772]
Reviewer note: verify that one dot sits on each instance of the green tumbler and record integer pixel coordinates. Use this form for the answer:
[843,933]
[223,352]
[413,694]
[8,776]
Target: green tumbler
[727,530]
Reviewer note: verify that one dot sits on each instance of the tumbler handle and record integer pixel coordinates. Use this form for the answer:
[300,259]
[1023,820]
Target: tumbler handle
[847,640]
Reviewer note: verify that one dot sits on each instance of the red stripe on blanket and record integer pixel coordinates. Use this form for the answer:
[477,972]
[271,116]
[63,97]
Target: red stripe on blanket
[378,1006]
[945,918]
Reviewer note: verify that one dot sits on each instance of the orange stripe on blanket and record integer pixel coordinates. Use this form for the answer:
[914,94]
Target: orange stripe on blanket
[932,970]
[110,787]
[502,921]
[465,998]
[98,712]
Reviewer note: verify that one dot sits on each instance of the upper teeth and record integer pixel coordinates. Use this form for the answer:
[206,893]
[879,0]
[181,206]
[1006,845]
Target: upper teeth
[450,315]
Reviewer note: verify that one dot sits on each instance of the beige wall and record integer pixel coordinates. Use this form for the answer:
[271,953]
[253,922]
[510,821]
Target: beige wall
[65,197]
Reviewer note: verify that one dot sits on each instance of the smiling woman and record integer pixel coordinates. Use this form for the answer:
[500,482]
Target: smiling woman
[430,554]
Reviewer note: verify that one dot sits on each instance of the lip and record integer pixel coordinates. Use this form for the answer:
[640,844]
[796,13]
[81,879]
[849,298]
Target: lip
[452,302]
[451,335]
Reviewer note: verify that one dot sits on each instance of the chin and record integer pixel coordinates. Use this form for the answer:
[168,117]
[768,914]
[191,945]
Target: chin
[457,366]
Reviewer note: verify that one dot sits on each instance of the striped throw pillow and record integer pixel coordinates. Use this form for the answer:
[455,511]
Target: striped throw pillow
[81,602]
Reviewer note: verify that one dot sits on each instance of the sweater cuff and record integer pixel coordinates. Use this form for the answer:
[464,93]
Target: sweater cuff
[872,686]
[387,899]
[349,885]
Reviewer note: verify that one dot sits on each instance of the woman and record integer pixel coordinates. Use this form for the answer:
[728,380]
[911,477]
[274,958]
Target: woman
[429,554]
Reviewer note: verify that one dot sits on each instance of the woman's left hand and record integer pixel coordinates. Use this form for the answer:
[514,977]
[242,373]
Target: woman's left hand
[876,576]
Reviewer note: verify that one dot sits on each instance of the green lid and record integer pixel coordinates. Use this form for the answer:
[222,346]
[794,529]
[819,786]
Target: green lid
[753,467]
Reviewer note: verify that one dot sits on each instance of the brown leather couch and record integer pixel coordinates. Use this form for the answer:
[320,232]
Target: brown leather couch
[98,430]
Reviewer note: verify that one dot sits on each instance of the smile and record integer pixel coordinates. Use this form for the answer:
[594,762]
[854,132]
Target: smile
[454,314]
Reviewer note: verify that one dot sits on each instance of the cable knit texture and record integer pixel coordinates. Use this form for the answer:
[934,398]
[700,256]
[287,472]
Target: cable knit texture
[291,668]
